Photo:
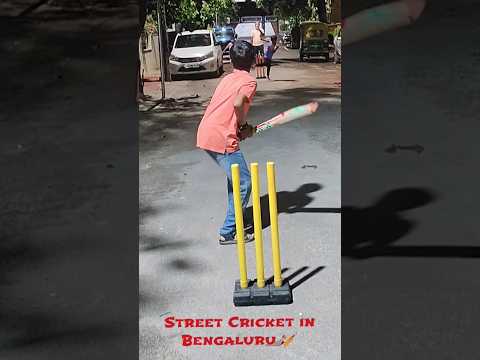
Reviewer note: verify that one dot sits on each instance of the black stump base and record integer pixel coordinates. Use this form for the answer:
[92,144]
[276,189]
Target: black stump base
[268,295]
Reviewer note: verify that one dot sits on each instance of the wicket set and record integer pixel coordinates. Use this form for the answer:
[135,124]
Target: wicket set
[260,67]
[246,292]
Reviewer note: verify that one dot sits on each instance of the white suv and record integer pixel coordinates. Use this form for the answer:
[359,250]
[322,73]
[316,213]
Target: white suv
[196,52]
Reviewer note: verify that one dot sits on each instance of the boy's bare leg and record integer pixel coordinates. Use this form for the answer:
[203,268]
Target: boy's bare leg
[263,67]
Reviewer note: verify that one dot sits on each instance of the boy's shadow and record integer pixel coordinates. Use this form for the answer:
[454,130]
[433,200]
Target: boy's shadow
[368,231]
[287,202]
[371,231]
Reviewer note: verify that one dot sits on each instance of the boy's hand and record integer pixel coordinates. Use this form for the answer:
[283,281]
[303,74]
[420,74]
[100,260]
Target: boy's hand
[246,131]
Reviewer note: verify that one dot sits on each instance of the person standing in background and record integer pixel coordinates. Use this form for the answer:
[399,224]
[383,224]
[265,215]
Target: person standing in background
[258,42]
[270,48]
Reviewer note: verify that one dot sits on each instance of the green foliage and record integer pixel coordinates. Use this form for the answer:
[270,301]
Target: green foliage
[216,9]
[193,14]
[151,24]
[188,13]
[295,11]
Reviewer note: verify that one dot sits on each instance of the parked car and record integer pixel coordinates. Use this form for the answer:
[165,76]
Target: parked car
[314,40]
[196,52]
[337,42]
[224,35]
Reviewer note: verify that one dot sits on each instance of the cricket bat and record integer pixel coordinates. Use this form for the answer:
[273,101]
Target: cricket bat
[381,18]
[287,116]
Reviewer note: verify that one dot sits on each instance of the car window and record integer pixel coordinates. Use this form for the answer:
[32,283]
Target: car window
[313,32]
[224,33]
[193,40]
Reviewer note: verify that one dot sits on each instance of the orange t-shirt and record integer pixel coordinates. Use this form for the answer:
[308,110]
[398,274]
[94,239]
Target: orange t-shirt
[218,129]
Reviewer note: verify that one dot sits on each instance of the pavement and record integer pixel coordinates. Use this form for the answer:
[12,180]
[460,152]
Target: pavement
[184,272]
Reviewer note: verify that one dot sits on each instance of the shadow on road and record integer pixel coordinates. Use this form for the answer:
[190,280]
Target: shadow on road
[306,276]
[287,202]
[295,274]
[370,232]
[290,97]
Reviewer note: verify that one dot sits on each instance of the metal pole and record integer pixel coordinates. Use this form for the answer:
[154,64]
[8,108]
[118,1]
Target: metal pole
[164,13]
[160,43]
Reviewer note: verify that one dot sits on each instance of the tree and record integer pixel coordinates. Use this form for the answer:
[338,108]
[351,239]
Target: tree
[195,14]
[188,14]
[216,10]
[295,10]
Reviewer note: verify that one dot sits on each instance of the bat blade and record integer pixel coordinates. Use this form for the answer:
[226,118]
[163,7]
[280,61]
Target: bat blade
[381,18]
[287,116]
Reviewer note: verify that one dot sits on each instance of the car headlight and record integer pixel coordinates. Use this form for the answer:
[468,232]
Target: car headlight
[174,58]
[205,57]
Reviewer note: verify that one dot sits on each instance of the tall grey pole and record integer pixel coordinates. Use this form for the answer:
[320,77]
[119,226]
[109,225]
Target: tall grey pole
[167,45]
[161,48]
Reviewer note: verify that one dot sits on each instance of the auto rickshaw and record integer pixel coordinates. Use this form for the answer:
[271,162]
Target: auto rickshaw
[314,40]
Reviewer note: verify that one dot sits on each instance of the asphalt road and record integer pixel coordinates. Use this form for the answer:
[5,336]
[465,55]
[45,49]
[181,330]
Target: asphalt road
[69,182]
[410,283]
[183,269]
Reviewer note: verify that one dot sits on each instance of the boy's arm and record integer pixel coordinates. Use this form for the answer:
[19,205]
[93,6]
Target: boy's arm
[238,105]
[245,130]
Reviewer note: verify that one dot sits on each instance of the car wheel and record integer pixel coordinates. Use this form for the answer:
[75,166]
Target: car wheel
[173,77]
[327,57]
[301,57]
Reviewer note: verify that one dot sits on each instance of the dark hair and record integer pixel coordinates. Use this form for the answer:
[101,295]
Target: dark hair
[273,38]
[242,55]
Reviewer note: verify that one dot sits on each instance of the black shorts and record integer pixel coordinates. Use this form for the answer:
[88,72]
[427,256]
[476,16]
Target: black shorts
[259,50]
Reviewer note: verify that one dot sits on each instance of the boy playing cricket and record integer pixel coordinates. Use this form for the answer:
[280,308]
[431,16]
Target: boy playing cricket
[271,48]
[224,125]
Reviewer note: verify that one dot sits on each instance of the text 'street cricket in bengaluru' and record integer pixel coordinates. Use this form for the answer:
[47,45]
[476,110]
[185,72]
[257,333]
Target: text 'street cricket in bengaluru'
[234,324]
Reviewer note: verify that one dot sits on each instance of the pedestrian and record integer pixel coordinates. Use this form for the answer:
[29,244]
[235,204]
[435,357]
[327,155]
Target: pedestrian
[270,48]
[230,44]
[224,125]
[258,43]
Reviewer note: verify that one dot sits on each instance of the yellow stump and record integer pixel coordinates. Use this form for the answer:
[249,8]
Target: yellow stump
[237,200]
[257,223]
[272,202]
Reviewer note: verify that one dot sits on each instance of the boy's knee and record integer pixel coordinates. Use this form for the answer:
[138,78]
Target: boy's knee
[246,184]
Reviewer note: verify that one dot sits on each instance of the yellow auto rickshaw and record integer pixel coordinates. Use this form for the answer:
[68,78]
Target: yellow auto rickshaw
[314,40]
